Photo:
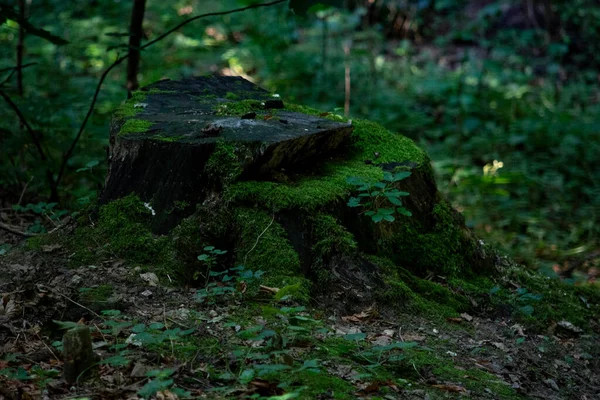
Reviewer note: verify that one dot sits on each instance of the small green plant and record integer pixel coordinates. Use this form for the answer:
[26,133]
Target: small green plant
[380,200]
[210,260]
[521,298]
[230,281]
[161,381]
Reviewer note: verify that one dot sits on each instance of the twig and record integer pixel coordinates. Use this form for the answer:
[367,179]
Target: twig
[15,231]
[23,191]
[49,349]
[258,238]
[72,301]
[119,60]
[13,70]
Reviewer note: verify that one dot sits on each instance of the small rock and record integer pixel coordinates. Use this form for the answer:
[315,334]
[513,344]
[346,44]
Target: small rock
[388,332]
[551,383]
[146,293]
[76,280]
[139,370]
[150,278]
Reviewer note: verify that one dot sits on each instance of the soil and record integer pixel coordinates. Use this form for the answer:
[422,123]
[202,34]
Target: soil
[38,288]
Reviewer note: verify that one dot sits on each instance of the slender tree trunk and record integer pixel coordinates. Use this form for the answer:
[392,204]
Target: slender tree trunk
[135,40]
[20,48]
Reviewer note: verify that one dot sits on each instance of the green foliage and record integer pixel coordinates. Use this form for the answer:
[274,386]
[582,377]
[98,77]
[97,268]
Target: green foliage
[209,259]
[233,281]
[381,200]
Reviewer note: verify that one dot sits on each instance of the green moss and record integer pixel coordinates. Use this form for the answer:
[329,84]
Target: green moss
[231,96]
[35,242]
[97,294]
[128,109]
[550,299]
[122,230]
[135,126]
[444,248]
[331,237]
[308,193]
[264,246]
[163,138]
[444,369]
[409,291]
[329,183]
[297,291]
[313,385]
[223,164]
[239,107]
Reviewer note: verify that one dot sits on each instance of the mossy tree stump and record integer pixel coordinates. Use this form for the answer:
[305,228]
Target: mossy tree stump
[229,165]
[176,142]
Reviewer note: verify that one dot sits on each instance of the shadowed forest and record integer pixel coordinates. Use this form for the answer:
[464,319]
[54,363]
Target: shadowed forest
[503,98]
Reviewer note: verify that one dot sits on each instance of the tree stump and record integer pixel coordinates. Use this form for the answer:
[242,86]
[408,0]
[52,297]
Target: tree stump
[77,353]
[220,162]
[177,141]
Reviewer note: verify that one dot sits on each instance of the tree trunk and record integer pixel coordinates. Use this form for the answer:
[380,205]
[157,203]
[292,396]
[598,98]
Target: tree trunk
[135,40]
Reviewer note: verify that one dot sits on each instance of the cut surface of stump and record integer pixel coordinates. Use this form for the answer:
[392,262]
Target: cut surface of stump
[175,141]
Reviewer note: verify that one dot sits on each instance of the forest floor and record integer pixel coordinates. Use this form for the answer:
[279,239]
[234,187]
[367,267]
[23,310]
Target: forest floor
[161,342]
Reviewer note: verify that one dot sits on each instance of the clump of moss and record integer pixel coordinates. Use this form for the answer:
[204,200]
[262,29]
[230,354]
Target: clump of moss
[444,248]
[168,139]
[231,96]
[129,109]
[96,295]
[223,164]
[308,193]
[239,107]
[445,369]
[548,299]
[331,237]
[263,245]
[329,182]
[135,126]
[409,291]
[122,229]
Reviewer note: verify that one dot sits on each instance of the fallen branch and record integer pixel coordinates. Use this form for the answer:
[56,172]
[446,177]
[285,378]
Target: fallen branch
[15,231]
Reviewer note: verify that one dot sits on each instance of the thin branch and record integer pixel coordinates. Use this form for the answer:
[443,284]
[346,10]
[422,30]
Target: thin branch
[25,123]
[15,231]
[119,60]
[13,70]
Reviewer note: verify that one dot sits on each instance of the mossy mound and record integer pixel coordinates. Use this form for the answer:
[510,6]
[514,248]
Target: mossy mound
[298,227]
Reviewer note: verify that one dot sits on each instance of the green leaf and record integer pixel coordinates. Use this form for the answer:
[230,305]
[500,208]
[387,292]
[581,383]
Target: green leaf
[156,326]
[66,324]
[353,202]
[398,176]
[246,376]
[139,328]
[377,218]
[355,336]
[154,386]
[160,373]
[389,218]
[395,201]
[404,211]
[526,310]
[116,361]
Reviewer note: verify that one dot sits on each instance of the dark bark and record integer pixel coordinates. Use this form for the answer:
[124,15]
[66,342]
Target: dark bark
[20,48]
[136,33]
